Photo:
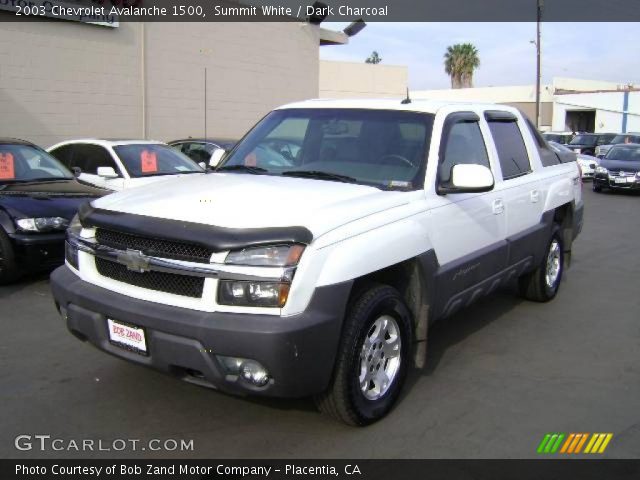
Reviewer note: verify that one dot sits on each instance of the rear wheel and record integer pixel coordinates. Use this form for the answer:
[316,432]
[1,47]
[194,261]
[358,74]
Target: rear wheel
[372,360]
[8,269]
[542,284]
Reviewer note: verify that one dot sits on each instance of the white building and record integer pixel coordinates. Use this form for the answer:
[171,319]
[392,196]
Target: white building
[567,104]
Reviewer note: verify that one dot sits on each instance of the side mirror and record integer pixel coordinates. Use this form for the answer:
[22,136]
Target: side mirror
[468,178]
[107,172]
[76,171]
[216,156]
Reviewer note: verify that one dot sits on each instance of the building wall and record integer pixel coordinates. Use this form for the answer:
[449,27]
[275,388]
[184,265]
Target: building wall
[251,68]
[362,80]
[505,94]
[61,79]
[608,108]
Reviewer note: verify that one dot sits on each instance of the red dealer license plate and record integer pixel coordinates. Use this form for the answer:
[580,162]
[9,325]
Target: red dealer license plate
[128,337]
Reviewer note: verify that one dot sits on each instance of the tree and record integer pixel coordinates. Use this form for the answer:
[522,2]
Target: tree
[374,58]
[460,61]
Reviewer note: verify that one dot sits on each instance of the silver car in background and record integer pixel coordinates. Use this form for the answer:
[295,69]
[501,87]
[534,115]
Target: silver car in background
[587,163]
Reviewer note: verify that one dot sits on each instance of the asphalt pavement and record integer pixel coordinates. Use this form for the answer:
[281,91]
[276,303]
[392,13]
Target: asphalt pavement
[501,374]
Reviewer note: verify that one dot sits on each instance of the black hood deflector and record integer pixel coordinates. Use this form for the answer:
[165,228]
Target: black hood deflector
[216,238]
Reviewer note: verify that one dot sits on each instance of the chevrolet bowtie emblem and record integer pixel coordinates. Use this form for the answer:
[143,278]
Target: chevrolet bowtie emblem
[134,260]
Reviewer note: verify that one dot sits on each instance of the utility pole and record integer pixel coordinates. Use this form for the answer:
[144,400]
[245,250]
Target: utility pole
[205,102]
[538,20]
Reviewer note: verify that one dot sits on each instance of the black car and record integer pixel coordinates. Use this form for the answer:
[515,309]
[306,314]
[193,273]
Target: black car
[619,169]
[204,150]
[38,199]
[586,143]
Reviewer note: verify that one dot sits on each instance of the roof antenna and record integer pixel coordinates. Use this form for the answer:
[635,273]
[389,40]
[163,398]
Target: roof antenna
[406,100]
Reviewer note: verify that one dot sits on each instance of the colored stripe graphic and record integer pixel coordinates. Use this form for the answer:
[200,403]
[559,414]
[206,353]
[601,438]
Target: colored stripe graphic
[550,443]
[598,443]
[574,443]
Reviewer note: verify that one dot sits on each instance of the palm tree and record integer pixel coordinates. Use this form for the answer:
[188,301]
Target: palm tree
[374,58]
[460,60]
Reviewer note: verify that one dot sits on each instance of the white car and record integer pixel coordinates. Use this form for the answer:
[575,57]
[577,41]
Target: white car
[317,271]
[588,163]
[121,164]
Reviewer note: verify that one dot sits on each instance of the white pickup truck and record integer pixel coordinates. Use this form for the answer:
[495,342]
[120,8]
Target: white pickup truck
[313,261]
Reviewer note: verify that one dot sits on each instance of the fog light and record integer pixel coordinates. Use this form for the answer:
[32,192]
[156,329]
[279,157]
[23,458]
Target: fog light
[254,373]
[245,368]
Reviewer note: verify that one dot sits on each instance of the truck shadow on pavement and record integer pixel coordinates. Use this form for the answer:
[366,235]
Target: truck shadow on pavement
[453,330]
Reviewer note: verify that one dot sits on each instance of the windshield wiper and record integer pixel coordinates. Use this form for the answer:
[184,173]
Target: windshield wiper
[241,168]
[37,180]
[319,174]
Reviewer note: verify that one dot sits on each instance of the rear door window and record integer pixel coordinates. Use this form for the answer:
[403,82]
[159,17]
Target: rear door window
[512,153]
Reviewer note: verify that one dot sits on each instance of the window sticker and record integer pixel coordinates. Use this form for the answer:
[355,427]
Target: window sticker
[7,170]
[251,160]
[148,162]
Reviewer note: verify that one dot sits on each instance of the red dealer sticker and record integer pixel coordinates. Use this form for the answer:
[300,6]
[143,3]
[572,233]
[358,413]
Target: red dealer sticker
[7,171]
[251,160]
[148,162]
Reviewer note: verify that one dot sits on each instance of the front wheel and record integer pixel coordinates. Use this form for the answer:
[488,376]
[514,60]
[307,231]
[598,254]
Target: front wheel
[596,188]
[372,360]
[542,284]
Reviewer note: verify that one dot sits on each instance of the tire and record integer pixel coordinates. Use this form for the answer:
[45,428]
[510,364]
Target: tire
[535,285]
[361,354]
[8,268]
[596,188]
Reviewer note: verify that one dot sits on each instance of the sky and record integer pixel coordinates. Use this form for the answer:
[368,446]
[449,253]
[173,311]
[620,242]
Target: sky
[595,51]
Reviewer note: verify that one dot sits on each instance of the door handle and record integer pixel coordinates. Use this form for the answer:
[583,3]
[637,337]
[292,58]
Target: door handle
[498,206]
[535,196]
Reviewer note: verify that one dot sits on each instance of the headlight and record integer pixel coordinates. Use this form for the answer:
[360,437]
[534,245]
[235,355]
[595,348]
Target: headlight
[44,224]
[253,294]
[272,256]
[259,293]
[601,170]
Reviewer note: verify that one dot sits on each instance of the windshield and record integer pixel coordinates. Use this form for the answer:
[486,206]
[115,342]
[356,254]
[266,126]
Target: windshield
[631,154]
[154,159]
[625,139]
[381,148]
[23,163]
[584,140]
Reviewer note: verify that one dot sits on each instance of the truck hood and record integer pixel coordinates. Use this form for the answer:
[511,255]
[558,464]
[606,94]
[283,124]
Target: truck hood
[237,200]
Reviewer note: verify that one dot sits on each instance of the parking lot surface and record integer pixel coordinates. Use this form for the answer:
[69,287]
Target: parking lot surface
[500,375]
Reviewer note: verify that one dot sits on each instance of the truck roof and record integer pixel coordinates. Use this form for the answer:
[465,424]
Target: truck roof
[417,105]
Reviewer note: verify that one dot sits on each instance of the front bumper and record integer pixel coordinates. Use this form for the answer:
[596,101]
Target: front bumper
[38,251]
[605,181]
[298,351]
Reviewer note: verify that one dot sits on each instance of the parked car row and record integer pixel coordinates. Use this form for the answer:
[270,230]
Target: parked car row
[41,191]
[592,144]
[587,163]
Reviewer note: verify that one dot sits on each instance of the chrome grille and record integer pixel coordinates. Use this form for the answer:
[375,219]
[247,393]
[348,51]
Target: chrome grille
[154,247]
[185,285]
